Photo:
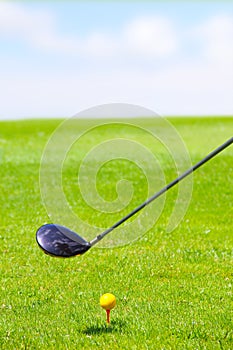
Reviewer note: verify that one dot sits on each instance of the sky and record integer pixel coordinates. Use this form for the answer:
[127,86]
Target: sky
[58,58]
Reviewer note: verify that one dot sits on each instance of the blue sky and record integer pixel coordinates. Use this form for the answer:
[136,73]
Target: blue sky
[57,58]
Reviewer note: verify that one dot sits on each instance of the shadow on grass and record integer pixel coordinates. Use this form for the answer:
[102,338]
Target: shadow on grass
[114,327]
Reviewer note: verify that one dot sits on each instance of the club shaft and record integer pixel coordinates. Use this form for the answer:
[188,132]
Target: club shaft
[163,190]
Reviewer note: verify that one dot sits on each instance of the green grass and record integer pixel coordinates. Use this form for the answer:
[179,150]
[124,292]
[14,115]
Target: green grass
[173,290]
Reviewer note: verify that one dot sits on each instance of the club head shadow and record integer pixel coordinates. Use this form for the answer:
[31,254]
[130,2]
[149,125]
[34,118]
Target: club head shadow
[59,241]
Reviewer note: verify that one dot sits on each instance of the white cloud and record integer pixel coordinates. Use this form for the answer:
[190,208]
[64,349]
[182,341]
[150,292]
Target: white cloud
[152,35]
[146,36]
[201,84]
[16,21]
[216,36]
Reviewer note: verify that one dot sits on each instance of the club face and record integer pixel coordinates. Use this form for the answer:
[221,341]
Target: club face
[59,241]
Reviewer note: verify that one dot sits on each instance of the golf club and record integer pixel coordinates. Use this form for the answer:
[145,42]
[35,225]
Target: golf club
[59,241]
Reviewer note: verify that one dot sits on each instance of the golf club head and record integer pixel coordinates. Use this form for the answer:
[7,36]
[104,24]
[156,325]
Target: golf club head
[59,241]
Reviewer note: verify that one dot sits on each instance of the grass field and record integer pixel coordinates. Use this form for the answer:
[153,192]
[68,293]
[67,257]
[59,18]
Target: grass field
[173,290]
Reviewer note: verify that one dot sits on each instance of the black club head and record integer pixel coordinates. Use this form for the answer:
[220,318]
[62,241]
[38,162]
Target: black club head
[59,241]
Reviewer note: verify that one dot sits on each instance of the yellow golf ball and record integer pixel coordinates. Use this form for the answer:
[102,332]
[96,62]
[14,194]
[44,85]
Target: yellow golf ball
[108,301]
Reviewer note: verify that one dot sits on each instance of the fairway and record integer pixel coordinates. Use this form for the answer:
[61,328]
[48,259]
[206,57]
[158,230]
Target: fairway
[173,289]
